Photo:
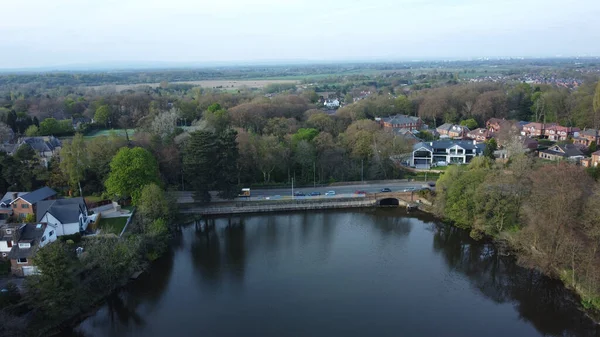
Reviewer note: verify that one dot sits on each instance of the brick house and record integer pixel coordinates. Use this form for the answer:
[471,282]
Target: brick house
[497,124]
[557,132]
[28,239]
[402,122]
[458,132]
[535,129]
[593,161]
[587,137]
[480,135]
[26,204]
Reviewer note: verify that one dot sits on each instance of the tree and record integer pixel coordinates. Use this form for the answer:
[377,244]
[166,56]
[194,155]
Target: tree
[74,161]
[596,105]
[164,124]
[49,126]
[54,289]
[470,123]
[270,155]
[227,158]
[6,134]
[490,147]
[130,171]
[103,115]
[32,131]
[153,204]
[199,158]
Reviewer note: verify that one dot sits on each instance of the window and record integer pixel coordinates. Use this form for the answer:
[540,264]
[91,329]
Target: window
[24,206]
[43,238]
[8,231]
[51,233]
[21,260]
[24,245]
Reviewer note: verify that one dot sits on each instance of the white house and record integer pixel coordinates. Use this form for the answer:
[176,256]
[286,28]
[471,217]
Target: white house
[332,104]
[451,152]
[67,216]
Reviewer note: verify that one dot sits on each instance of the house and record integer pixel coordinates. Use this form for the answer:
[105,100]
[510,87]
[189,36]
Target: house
[332,103]
[7,232]
[28,239]
[593,161]
[480,135]
[557,132]
[401,122]
[458,132]
[406,134]
[587,137]
[6,209]
[497,124]
[444,129]
[79,121]
[562,152]
[426,154]
[67,216]
[535,129]
[46,147]
[26,204]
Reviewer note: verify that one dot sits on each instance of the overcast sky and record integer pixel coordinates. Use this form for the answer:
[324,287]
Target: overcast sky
[41,33]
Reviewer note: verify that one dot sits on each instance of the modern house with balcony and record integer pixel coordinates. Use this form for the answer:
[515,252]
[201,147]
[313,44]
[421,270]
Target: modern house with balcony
[427,154]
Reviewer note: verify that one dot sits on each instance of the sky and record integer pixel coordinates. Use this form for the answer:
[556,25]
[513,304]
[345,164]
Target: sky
[42,33]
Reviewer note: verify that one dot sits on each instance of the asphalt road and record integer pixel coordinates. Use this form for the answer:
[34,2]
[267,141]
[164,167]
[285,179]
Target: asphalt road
[340,191]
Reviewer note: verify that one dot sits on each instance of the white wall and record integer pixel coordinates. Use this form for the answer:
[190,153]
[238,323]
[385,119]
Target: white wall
[4,247]
[50,235]
[61,229]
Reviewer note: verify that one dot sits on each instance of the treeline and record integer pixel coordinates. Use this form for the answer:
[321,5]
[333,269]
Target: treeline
[549,214]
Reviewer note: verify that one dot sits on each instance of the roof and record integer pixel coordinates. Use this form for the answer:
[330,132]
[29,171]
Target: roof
[64,210]
[597,153]
[29,232]
[8,198]
[39,195]
[445,126]
[564,150]
[400,119]
[42,144]
[446,144]
[589,132]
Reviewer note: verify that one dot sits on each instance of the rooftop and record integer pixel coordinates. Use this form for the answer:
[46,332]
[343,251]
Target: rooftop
[39,194]
[64,210]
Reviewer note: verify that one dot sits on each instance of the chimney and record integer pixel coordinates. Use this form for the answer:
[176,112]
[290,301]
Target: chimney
[15,195]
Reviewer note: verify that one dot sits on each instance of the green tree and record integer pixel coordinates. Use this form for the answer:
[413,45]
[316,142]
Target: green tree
[49,126]
[74,161]
[226,165]
[103,115]
[130,171]
[470,123]
[199,158]
[32,131]
[403,105]
[490,147]
[55,289]
[153,204]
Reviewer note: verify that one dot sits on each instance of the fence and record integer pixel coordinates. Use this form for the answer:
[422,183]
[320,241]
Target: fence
[279,207]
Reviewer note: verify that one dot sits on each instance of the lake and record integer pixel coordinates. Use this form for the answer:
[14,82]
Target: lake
[352,273]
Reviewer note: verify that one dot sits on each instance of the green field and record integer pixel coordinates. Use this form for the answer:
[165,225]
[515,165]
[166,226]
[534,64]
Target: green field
[112,225]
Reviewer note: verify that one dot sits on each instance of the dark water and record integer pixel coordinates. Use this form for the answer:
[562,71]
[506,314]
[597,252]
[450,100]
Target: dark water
[377,273]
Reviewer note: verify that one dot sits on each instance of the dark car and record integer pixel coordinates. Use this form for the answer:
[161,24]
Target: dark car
[314,194]
[385,190]
[299,194]
[360,192]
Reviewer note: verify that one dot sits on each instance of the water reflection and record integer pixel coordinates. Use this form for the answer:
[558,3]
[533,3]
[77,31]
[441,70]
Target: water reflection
[540,300]
[273,273]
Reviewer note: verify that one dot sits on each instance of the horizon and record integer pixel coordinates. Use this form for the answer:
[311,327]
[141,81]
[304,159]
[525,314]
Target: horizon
[67,33]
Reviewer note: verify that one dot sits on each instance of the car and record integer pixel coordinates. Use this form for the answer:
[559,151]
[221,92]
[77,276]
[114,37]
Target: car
[431,184]
[360,192]
[441,163]
[314,194]
[330,193]
[384,190]
[275,197]
[299,194]
[409,189]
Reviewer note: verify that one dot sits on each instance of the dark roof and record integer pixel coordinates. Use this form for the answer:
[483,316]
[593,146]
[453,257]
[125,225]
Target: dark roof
[400,119]
[39,195]
[29,232]
[64,210]
[568,150]
[8,198]
[42,144]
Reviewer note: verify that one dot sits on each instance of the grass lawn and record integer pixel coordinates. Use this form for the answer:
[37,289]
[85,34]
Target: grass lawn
[112,225]
[94,198]
[119,132]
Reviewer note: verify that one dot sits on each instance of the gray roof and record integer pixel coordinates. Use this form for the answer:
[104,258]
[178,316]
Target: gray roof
[446,144]
[589,132]
[42,144]
[64,210]
[568,150]
[39,195]
[29,232]
[8,198]
[445,126]
[400,119]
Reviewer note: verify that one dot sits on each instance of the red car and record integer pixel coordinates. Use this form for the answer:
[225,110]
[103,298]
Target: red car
[360,192]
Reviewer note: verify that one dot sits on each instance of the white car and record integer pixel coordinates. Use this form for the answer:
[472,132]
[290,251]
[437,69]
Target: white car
[330,193]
